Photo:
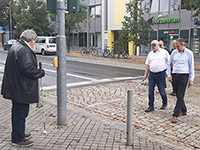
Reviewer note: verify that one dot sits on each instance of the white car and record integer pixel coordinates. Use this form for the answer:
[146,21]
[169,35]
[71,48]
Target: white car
[8,44]
[45,45]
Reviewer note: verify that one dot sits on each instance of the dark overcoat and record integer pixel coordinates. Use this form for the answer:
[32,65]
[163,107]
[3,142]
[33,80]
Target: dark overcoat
[20,80]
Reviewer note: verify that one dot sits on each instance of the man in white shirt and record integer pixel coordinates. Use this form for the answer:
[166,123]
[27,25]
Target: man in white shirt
[156,63]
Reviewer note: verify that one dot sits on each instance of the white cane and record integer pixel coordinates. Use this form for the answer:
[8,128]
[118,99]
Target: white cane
[41,102]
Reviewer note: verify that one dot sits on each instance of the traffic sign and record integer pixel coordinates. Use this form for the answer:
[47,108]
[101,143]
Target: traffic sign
[195,21]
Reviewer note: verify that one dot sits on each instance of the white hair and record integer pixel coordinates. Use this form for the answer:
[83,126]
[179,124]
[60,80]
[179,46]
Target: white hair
[28,35]
[155,41]
[174,41]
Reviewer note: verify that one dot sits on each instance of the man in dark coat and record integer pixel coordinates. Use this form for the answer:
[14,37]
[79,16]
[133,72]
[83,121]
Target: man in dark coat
[20,84]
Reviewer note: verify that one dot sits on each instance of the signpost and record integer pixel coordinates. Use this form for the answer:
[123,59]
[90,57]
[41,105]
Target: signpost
[195,39]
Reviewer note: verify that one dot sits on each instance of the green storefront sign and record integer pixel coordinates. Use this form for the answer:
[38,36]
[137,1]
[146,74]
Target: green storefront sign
[166,20]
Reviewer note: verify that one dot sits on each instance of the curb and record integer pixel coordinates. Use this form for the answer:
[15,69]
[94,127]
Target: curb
[133,59]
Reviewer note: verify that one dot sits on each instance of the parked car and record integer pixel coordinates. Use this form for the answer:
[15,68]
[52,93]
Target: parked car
[9,43]
[45,45]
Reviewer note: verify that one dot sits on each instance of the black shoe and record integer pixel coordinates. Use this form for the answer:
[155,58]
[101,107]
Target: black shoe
[172,94]
[149,109]
[163,107]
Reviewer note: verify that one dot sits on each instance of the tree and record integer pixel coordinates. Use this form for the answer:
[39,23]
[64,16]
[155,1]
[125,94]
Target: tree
[191,5]
[135,24]
[121,43]
[32,14]
[72,23]
[4,12]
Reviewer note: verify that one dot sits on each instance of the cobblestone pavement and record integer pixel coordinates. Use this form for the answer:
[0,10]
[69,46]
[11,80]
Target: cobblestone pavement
[105,99]
[84,131]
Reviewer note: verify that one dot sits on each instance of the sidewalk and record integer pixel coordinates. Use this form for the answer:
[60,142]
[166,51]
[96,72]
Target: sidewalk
[135,59]
[84,130]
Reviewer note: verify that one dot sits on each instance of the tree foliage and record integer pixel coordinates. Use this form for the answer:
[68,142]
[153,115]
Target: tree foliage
[72,23]
[135,25]
[31,14]
[5,6]
[191,5]
[121,42]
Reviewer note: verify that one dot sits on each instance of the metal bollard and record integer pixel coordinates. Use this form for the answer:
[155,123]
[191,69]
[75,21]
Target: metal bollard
[129,118]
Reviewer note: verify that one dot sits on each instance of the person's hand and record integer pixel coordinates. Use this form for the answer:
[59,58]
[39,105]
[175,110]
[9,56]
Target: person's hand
[190,84]
[144,78]
[170,79]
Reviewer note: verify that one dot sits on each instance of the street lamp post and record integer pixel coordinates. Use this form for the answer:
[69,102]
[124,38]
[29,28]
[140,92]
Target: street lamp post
[11,20]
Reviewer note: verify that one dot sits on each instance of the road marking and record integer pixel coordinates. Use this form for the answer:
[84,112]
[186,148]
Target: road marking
[70,85]
[73,75]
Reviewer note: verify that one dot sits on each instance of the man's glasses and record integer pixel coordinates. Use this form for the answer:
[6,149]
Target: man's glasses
[160,45]
[153,45]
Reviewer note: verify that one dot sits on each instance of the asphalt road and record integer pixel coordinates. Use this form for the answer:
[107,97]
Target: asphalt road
[80,73]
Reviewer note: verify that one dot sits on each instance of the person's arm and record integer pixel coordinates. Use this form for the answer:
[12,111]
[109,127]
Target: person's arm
[146,72]
[191,69]
[170,65]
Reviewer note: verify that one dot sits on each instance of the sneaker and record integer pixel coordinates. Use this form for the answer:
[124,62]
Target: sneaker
[149,109]
[27,136]
[25,143]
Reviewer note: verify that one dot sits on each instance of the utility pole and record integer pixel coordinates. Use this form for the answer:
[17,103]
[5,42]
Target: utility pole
[88,27]
[11,20]
[61,70]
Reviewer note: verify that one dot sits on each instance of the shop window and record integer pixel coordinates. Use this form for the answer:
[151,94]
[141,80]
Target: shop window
[81,40]
[198,33]
[153,35]
[75,39]
[184,34]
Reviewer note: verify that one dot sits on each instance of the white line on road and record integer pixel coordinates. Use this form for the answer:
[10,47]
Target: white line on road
[69,85]
[73,75]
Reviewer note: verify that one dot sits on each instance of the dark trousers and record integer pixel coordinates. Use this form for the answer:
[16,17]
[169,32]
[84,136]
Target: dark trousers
[19,113]
[180,83]
[157,79]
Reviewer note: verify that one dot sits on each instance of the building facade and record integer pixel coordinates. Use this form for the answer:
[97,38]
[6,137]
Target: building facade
[168,19]
[90,34]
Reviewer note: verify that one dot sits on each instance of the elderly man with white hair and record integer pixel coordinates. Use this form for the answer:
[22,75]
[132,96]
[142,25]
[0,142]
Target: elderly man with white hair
[156,63]
[20,84]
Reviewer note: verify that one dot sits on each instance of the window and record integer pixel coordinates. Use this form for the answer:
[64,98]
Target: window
[146,6]
[154,6]
[175,5]
[164,6]
[95,12]
[75,39]
[41,40]
[52,40]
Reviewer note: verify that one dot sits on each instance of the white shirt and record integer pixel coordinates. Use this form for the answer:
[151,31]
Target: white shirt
[158,61]
[183,62]
[28,45]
